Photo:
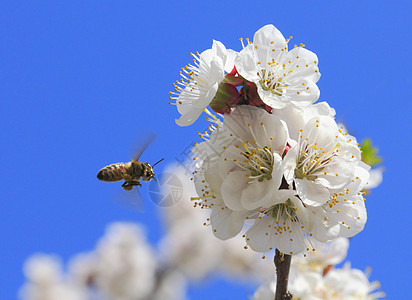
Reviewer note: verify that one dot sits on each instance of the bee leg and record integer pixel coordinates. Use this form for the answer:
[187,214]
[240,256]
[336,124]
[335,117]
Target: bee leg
[136,183]
[127,186]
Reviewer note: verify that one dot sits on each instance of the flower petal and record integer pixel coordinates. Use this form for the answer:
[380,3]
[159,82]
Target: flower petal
[232,188]
[266,234]
[247,65]
[268,34]
[312,193]
[226,223]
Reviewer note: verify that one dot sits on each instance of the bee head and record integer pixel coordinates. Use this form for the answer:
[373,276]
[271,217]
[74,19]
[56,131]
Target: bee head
[148,173]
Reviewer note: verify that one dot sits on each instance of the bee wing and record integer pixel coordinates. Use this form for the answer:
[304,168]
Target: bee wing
[132,200]
[143,145]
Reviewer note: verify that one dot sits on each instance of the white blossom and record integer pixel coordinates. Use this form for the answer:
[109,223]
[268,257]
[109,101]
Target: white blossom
[324,165]
[200,82]
[281,76]
[322,161]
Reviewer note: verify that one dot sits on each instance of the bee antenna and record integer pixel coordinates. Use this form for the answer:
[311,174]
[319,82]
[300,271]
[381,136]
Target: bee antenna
[155,179]
[157,162]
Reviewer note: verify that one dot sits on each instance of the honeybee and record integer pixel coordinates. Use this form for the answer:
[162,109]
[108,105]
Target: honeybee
[131,172]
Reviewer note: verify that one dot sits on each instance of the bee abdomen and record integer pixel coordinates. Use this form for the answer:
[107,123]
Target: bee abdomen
[112,173]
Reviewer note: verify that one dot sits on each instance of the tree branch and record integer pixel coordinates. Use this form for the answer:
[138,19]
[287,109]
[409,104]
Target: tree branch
[282,263]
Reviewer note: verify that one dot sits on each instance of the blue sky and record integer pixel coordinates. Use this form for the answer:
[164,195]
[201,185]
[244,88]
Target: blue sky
[80,80]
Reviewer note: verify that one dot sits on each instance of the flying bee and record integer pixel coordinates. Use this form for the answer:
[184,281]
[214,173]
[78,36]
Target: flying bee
[131,172]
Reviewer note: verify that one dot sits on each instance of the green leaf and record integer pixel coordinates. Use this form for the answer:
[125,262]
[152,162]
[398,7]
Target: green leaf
[370,153]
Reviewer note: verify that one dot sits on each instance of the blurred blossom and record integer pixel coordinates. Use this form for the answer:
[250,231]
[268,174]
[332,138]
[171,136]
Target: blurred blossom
[83,268]
[125,267]
[45,281]
[188,245]
[122,267]
[171,285]
[125,263]
[182,210]
[238,262]
[190,248]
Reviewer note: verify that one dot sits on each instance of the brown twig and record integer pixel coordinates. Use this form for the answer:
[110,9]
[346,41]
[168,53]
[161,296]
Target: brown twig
[282,263]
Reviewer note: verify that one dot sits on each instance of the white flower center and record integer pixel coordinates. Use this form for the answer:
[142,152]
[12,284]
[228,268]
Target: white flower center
[312,159]
[279,73]
[283,211]
[271,81]
[258,162]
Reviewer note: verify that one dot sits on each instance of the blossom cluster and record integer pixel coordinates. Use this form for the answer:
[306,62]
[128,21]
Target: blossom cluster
[273,161]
